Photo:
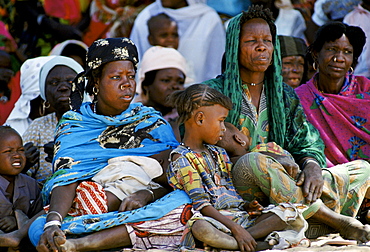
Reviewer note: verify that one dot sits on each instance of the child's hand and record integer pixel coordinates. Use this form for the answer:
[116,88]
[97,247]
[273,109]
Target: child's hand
[8,223]
[253,208]
[244,239]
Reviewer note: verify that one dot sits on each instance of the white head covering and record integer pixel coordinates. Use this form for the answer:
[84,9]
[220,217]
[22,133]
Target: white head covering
[56,61]
[30,70]
[58,49]
[158,57]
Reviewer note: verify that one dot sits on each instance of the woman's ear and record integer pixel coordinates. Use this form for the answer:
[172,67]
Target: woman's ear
[199,117]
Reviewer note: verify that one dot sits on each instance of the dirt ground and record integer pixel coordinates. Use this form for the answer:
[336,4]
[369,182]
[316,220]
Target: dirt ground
[319,244]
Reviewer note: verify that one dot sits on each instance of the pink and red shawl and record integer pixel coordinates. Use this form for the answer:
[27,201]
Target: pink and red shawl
[343,119]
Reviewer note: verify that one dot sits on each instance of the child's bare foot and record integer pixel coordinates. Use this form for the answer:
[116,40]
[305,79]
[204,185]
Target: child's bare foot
[352,229]
[12,239]
[64,245]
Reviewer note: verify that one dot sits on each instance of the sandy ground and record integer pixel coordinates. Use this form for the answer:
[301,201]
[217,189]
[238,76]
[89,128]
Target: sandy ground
[319,244]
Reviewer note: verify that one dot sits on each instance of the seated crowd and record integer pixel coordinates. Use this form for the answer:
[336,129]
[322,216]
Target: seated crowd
[249,131]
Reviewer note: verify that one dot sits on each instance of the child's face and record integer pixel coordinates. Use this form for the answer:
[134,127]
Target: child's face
[213,124]
[165,34]
[12,156]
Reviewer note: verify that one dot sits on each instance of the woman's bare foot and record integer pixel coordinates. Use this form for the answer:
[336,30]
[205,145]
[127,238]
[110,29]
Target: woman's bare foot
[12,239]
[352,229]
[65,245]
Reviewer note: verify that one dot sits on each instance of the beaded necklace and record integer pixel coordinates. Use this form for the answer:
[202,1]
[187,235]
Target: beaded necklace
[217,168]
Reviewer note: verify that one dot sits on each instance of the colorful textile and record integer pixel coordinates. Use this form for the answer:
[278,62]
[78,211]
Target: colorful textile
[92,223]
[257,176]
[285,122]
[41,132]
[343,119]
[139,131]
[15,92]
[206,180]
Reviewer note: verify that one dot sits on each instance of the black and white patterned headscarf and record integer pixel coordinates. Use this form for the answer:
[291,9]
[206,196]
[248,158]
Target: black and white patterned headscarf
[102,51]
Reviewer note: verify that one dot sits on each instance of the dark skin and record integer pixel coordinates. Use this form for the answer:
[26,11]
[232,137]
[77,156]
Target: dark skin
[255,56]
[116,90]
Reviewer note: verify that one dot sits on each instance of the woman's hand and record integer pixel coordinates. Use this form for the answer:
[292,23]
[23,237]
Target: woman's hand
[49,149]
[253,208]
[244,239]
[291,167]
[32,155]
[8,223]
[136,200]
[312,181]
[47,242]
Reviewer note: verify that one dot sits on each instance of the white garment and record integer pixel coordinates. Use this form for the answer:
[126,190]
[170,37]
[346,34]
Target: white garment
[128,174]
[318,16]
[59,48]
[290,22]
[30,71]
[202,36]
[361,17]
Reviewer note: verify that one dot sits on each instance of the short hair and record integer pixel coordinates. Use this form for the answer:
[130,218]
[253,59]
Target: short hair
[6,130]
[334,30]
[194,97]
[151,21]
[257,11]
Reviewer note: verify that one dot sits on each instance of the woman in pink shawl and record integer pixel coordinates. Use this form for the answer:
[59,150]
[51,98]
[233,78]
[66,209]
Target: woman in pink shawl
[335,101]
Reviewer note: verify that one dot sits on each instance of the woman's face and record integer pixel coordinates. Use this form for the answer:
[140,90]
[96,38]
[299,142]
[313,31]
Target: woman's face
[335,58]
[255,46]
[165,83]
[293,69]
[116,87]
[58,85]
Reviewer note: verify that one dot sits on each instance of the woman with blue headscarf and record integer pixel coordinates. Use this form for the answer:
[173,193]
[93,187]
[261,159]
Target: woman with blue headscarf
[105,163]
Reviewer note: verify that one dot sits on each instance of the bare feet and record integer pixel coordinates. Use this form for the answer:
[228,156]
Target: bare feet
[352,229]
[11,239]
[64,244]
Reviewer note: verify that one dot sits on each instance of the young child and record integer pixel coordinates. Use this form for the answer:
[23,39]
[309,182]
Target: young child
[20,196]
[163,31]
[203,170]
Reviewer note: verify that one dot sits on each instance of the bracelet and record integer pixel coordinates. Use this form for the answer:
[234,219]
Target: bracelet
[52,223]
[151,193]
[55,212]
[309,160]
[39,18]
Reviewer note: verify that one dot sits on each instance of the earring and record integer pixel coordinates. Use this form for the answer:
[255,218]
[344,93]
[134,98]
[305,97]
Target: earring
[243,143]
[314,66]
[335,59]
[95,90]
[45,105]
[351,70]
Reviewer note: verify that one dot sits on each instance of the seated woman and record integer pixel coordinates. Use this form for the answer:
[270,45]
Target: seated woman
[267,110]
[335,101]
[56,77]
[98,146]
[293,51]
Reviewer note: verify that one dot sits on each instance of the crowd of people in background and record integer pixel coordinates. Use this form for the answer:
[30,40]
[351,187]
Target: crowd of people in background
[147,123]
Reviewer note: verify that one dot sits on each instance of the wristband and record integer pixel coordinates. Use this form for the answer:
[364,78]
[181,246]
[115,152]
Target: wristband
[309,160]
[55,212]
[151,193]
[52,223]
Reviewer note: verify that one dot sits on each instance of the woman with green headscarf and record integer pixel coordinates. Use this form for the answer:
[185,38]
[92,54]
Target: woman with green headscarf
[269,113]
